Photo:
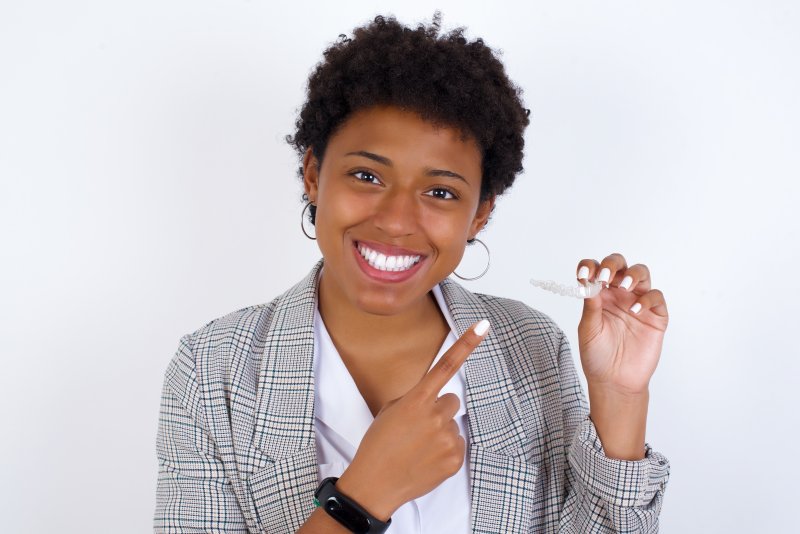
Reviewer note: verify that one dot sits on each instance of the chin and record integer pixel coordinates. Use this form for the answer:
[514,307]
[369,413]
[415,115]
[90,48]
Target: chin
[379,306]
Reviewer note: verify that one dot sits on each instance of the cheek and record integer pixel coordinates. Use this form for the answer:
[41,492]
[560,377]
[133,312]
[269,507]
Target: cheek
[337,213]
[340,201]
[449,232]
[444,222]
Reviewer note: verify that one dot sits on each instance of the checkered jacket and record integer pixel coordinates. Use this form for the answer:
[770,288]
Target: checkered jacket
[236,445]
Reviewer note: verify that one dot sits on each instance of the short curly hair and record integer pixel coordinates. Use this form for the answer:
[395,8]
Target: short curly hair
[446,79]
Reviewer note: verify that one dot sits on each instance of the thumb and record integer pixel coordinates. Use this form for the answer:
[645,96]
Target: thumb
[592,312]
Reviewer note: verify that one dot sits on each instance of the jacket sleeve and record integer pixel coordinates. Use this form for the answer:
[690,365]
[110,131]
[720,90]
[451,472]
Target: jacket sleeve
[193,492]
[604,494]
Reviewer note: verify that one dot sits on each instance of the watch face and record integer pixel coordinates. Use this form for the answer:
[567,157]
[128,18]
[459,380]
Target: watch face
[346,515]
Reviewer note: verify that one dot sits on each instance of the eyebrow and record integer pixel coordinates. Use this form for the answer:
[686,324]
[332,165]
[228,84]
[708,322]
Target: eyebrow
[386,161]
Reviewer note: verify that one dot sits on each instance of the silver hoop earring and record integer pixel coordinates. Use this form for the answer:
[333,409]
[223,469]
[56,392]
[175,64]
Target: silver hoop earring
[488,260]
[303,219]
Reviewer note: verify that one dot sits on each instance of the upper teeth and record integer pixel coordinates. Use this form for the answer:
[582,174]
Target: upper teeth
[383,262]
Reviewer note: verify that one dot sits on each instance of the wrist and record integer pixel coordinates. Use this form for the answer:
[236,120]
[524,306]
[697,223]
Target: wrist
[619,394]
[620,419]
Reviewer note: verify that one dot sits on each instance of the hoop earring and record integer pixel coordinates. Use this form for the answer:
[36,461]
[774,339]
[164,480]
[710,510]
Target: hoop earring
[302,220]
[488,260]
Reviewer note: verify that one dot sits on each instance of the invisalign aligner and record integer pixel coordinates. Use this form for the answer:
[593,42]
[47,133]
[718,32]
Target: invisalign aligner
[588,291]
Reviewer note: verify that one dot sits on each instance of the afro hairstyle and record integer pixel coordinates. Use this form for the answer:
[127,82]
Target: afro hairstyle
[446,79]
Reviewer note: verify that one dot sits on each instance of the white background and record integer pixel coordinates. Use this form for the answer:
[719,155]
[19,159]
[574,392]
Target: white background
[147,189]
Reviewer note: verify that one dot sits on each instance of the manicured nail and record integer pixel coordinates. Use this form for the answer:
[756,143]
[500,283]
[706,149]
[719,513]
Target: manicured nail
[636,307]
[626,283]
[605,274]
[482,327]
[583,272]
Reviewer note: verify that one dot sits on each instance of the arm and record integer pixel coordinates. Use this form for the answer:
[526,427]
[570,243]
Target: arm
[604,494]
[193,492]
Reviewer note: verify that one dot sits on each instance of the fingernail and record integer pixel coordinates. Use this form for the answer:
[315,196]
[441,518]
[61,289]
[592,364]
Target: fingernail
[626,282]
[482,327]
[605,274]
[636,307]
[583,272]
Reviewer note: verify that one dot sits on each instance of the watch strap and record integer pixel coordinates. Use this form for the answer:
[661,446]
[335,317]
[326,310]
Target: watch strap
[347,511]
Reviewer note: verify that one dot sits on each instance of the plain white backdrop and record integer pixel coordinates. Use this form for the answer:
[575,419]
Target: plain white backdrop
[146,188]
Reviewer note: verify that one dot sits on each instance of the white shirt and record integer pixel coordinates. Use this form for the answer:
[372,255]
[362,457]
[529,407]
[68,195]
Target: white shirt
[342,418]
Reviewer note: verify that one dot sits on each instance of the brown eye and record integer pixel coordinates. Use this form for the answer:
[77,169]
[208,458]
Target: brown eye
[442,193]
[364,176]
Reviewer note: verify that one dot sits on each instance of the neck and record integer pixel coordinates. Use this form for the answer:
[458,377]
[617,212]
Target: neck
[356,331]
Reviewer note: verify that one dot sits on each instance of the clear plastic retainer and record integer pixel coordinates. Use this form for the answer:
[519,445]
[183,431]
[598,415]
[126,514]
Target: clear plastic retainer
[588,291]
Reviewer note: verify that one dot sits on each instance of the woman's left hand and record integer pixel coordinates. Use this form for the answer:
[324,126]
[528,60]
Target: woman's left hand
[620,348]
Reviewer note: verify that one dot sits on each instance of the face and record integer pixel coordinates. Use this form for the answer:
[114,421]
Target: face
[397,199]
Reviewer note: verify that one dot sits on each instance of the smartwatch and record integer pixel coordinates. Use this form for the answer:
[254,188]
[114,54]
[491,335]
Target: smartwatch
[346,511]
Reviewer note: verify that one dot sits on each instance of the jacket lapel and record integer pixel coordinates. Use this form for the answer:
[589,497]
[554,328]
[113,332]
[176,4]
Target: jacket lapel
[502,482]
[284,425]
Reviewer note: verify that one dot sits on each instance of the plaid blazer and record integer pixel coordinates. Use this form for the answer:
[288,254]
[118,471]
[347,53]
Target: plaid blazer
[237,451]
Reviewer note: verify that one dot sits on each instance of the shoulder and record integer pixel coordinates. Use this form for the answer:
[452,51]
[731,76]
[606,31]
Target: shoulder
[522,332]
[530,338]
[233,327]
[514,314]
[238,338]
[504,313]
[211,352]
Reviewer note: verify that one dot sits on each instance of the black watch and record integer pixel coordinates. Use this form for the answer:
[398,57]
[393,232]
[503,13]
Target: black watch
[347,511]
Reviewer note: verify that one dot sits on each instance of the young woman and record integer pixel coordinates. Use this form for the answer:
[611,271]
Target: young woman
[378,393]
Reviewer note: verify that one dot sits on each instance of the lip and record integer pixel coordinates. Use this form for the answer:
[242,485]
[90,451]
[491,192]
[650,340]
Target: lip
[387,276]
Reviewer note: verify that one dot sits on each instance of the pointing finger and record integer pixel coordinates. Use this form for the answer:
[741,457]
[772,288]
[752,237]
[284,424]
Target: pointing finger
[451,361]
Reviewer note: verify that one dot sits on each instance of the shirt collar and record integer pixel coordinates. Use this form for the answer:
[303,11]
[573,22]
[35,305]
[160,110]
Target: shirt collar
[339,404]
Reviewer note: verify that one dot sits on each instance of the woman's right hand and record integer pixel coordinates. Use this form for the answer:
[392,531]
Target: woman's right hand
[413,445]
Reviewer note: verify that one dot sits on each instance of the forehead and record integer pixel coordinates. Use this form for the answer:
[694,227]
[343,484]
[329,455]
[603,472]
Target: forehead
[403,132]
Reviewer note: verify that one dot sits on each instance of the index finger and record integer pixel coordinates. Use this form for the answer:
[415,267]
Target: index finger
[451,361]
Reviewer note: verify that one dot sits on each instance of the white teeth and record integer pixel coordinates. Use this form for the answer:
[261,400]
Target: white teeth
[387,263]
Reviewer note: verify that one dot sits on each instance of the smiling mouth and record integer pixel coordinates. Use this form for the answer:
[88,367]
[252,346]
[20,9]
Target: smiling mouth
[383,262]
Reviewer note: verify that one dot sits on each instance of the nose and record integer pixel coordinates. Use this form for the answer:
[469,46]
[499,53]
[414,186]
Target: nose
[397,213]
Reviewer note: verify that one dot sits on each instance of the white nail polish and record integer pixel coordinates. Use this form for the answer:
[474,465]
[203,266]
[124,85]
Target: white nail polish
[583,272]
[636,307]
[605,274]
[626,282]
[482,327]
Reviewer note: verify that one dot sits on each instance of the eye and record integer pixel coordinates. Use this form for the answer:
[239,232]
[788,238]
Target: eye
[365,176]
[442,192]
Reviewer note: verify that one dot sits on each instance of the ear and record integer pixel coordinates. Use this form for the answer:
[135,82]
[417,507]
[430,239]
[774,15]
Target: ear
[311,175]
[481,216]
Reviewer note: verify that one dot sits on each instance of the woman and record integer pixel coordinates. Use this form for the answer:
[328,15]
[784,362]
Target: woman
[378,388]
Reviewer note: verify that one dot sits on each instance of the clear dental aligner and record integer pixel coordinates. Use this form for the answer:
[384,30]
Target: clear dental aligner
[588,291]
